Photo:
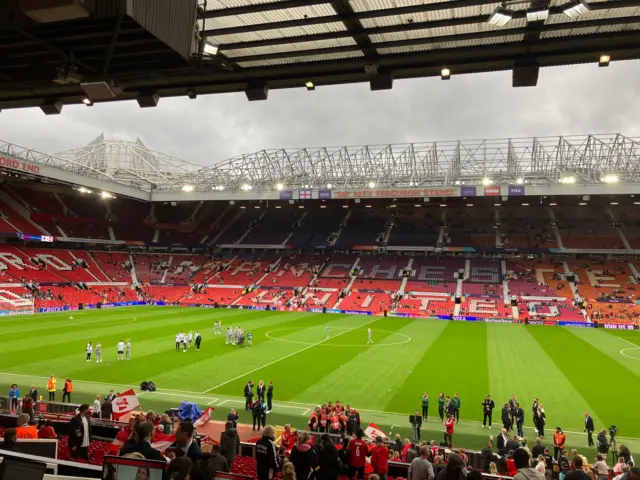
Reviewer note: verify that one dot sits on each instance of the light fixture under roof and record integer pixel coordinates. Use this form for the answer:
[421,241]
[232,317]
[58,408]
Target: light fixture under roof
[445,74]
[575,8]
[520,181]
[568,179]
[310,85]
[500,17]
[611,178]
[486,181]
[188,188]
[604,60]
[537,14]
[210,49]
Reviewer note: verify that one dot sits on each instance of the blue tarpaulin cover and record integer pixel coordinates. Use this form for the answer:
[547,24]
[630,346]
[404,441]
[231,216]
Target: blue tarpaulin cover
[189,410]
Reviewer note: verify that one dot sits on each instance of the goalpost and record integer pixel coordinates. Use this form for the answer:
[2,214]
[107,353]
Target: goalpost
[12,303]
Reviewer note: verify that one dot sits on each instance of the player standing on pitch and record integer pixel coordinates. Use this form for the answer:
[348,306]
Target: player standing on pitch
[370,340]
[198,340]
[98,352]
[89,350]
[127,350]
[120,350]
[326,330]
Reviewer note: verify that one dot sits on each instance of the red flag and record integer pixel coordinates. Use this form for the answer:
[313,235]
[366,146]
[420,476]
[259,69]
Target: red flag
[124,403]
[204,418]
[372,431]
[161,441]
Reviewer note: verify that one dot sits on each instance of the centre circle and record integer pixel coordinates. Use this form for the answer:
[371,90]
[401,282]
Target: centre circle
[324,341]
[635,356]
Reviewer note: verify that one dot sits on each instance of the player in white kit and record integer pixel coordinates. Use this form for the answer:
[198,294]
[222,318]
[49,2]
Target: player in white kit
[370,340]
[98,353]
[190,338]
[326,330]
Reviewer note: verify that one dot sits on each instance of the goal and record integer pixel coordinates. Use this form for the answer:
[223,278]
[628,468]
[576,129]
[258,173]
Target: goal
[13,303]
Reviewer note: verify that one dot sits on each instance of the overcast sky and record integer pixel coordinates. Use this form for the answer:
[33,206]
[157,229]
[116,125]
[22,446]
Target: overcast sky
[568,100]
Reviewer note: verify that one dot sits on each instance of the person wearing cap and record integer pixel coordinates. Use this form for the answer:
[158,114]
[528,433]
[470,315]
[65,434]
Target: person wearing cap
[24,430]
[380,458]
[80,433]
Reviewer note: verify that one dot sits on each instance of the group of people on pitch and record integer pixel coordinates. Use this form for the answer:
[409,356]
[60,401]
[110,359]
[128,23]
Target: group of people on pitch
[337,419]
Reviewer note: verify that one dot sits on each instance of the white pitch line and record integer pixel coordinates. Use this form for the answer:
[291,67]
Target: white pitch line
[240,400]
[289,355]
[306,412]
[222,403]
[213,401]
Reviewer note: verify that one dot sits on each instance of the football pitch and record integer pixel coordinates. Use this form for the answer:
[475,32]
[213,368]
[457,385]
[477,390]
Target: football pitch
[570,369]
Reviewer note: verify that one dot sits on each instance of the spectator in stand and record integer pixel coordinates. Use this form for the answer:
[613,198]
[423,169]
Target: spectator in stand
[577,473]
[165,424]
[329,462]
[412,453]
[538,448]
[80,434]
[211,456]
[179,469]
[523,465]
[563,464]
[266,455]
[141,443]
[493,470]
[488,457]
[357,450]
[380,458]
[304,457]
[397,445]
[27,407]
[624,452]
[47,431]
[455,469]
[14,395]
[438,465]
[421,468]
[10,440]
[288,471]
[541,466]
[185,440]
[229,443]
[24,429]
[600,468]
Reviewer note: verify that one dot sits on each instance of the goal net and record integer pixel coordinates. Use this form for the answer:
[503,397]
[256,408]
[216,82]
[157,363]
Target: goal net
[14,303]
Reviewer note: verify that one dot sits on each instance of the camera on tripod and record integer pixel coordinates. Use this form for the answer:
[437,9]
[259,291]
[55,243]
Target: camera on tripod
[613,430]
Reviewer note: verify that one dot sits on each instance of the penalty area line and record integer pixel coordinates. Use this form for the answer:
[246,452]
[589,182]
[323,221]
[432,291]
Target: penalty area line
[288,356]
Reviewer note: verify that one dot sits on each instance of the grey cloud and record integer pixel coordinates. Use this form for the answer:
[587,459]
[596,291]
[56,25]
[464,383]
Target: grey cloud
[568,100]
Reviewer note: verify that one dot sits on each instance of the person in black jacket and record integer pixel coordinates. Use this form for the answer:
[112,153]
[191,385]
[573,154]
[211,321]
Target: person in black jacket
[229,443]
[248,395]
[213,459]
[506,416]
[144,433]
[519,418]
[304,458]
[80,433]
[330,465]
[259,413]
[487,409]
[186,441]
[502,442]
[10,441]
[233,417]
[266,455]
[269,396]
[589,428]
[487,457]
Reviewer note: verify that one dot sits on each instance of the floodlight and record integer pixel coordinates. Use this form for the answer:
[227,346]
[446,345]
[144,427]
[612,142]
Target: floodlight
[445,74]
[604,60]
[188,188]
[487,181]
[569,179]
[537,14]
[106,195]
[87,101]
[610,179]
[520,181]
[575,8]
[372,185]
[279,186]
[83,190]
[310,86]
[500,17]
[329,185]
[246,187]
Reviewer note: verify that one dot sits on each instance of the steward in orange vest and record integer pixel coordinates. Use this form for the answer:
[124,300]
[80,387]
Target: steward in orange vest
[66,391]
[51,388]
[559,440]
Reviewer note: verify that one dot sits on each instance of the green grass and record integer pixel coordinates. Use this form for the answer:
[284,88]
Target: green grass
[570,370]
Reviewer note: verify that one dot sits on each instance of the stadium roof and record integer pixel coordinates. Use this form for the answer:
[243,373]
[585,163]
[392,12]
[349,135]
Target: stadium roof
[146,50]
[583,160]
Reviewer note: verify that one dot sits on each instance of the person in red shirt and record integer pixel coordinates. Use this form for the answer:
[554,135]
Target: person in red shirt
[47,431]
[288,439]
[314,421]
[449,425]
[380,458]
[357,450]
[334,422]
